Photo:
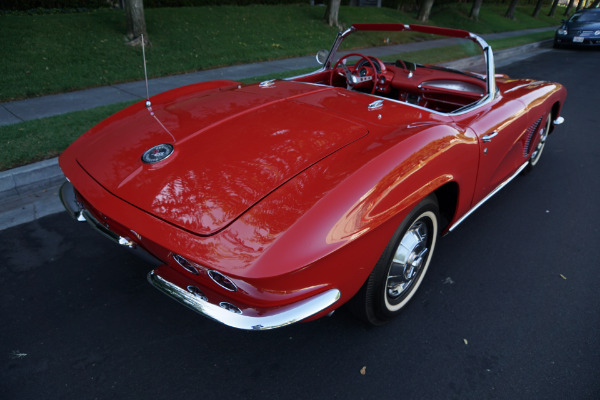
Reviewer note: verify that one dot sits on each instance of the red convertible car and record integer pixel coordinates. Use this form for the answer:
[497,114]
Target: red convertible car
[266,204]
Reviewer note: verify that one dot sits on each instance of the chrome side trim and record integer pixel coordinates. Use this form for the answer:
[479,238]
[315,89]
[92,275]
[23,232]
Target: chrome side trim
[291,78]
[486,198]
[76,210]
[279,317]
[80,214]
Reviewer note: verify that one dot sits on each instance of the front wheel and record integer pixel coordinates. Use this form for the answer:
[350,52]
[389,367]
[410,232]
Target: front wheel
[402,266]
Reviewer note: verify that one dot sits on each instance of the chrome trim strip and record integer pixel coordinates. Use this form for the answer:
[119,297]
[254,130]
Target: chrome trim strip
[76,210]
[486,198]
[291,78]
[336,44]
[104,231]
[279,317]
[67,196]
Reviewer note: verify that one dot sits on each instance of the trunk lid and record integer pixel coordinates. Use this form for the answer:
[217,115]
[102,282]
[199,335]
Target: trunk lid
[231,148]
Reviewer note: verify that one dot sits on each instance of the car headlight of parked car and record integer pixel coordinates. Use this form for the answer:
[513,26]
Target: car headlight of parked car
[562,31]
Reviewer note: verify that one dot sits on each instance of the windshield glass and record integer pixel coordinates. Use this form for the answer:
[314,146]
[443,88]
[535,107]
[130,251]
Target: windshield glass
[395,47]
[447,72]
[586,17]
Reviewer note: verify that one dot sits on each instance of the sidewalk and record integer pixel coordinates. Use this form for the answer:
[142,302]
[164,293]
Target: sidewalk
[31,192]
[47,106]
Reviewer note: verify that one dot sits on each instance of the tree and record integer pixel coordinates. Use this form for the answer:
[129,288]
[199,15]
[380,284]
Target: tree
[595,4]
[332,12]
[474,14]
[538,7]
[569,7]
[581,4]
[425,10]
[510,13]
[136,23]
[553,8]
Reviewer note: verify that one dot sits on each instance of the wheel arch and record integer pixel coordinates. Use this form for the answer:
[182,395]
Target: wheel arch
[447,198]
[554,112]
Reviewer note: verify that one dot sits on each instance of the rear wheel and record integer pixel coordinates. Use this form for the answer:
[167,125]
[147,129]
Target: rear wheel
[536,154]
[402,266]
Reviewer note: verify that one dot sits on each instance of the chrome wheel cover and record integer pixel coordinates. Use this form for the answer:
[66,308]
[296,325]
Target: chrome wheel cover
[537,153]
[410,261]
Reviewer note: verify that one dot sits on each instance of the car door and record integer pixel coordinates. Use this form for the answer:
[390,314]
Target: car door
[499,126]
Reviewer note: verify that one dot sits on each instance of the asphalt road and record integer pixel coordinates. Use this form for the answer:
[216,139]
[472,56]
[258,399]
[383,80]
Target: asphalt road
[510,308]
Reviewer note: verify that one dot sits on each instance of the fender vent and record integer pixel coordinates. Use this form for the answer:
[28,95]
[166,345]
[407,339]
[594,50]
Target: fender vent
[529,135]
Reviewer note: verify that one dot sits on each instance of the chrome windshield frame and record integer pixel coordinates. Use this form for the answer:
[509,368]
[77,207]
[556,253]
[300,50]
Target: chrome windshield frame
[490,78]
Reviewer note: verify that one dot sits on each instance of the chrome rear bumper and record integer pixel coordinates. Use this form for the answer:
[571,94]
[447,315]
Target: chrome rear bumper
[271,319]
[164,278]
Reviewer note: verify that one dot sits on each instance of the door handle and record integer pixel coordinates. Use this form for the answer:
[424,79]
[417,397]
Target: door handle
[488,138]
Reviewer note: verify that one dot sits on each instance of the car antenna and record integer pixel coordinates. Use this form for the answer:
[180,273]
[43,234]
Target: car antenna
[148,104]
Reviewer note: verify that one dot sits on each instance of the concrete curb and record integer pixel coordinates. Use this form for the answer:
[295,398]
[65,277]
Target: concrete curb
[29,178]
[31,191]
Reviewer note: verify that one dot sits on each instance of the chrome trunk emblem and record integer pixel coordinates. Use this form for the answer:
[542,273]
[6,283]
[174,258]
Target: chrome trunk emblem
[157,153]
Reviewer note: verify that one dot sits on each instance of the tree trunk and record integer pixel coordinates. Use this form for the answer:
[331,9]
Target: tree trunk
[425,10]
[581,4]
[553,8]
[595,4]
[538,7]
[474,14]
[332,12]
[569,7]
[510,13]
[136,23]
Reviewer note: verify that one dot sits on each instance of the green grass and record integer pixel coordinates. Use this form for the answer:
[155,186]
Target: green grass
[45,54]
[450,53]
[45,138]
[491,18]
[499,44]
[53,53]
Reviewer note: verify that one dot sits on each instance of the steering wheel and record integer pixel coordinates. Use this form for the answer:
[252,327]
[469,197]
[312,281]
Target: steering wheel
[359,75]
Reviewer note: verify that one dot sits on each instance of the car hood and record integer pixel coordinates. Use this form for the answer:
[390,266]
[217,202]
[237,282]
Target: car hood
[232,147]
